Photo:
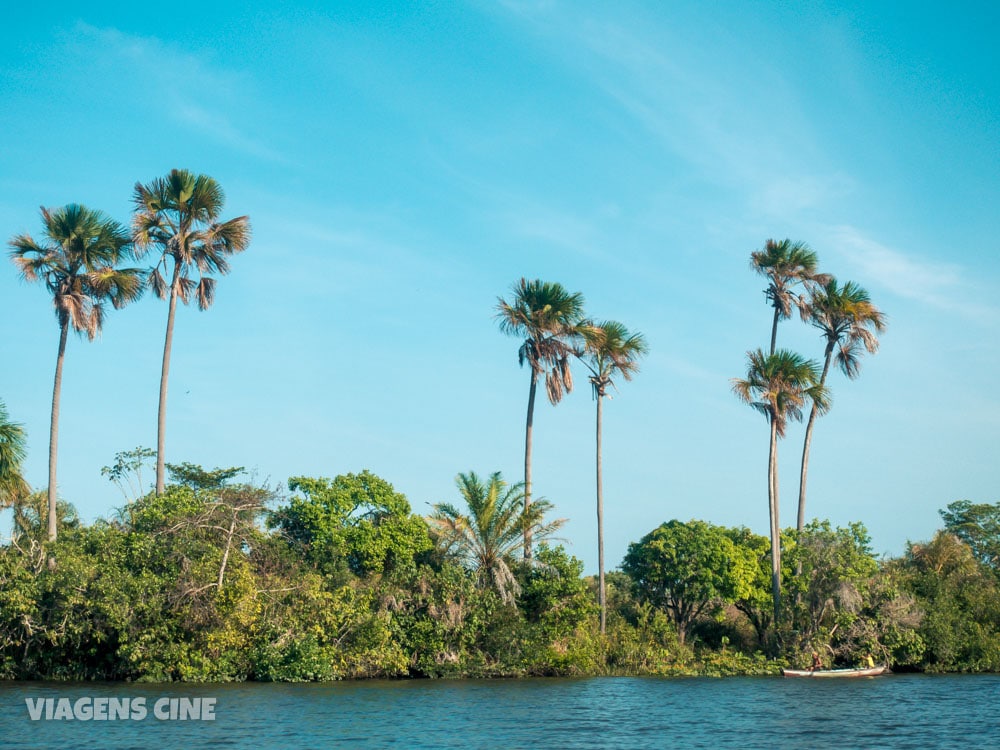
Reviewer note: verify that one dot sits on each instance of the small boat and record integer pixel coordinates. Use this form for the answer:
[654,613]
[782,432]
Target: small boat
[859,672]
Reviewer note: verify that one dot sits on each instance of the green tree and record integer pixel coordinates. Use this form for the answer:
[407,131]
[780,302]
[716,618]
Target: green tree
[777,385]
[356,522]
[961,603]
[785,264]
[553,594]
[609,350]
[689,570]
[849,322]
[755,601]
[78,265]
[197,478]
[178,217]
[550,320]
[13,442]
[486,538]
[887,625]
[978,525]
[837,565]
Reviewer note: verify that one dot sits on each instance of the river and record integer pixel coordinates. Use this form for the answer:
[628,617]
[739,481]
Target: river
[898,711]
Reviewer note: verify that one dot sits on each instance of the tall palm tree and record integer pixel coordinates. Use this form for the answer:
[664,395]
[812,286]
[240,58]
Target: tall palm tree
[609,350]
[178,216]
[488,538]
[849,322]
[79,268]
[550,320]
[777,385]
[786,264]
[13,448]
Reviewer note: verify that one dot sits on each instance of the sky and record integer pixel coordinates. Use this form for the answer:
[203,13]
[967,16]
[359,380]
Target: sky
[404,164]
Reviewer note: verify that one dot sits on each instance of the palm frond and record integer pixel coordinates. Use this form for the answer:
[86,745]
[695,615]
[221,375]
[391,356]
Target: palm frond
[186,286]
[157,283]
[206,292]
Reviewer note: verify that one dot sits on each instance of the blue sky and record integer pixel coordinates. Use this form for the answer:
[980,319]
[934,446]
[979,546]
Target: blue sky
[404,163]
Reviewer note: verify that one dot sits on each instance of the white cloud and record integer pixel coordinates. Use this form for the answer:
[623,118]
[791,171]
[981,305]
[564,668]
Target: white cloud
[937,284]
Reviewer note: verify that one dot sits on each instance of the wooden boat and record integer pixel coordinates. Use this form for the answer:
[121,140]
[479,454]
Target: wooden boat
[860,672]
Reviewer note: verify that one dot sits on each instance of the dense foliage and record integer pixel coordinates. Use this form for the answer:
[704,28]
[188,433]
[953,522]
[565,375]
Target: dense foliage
[217,579]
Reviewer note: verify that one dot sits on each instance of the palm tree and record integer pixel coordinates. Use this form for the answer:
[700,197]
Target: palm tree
[178,215]
[777,385]
[29,519]
[609,350]
[549,319]
[13,444]
[487,539]
[78,267]
[849,322]
[785,264]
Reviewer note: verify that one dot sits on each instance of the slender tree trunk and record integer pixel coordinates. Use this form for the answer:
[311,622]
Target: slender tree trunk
[774,328]
[527,458]
[161,416]
[54,433]
[800,523]
[772,479]
[600,521]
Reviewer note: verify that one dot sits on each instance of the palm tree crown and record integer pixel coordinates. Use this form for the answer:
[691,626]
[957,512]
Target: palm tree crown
[778,385]
[609,350]
[785,264]
[488,538]
[848,321]
[78,265]
[549,319]
[179,216]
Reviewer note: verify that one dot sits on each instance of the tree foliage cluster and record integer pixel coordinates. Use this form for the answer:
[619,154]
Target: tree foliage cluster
[221,579]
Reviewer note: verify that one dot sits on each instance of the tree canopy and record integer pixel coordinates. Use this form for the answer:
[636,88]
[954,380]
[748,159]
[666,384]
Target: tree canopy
[689,569]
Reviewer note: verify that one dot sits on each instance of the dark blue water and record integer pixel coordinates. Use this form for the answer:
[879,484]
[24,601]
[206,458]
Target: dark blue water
[885,712]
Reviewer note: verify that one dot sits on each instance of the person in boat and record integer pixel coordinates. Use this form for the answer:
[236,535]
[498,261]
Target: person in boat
[869,662]
[816,663]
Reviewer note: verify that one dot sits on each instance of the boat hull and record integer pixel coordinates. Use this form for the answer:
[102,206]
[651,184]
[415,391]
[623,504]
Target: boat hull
[867,672]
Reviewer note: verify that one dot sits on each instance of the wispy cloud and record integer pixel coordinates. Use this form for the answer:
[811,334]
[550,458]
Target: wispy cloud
[946,286]
[741,127]
[176,84]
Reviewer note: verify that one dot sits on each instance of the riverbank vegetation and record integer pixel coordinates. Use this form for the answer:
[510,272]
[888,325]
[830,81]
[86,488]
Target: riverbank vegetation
[214,576]
[221,579]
